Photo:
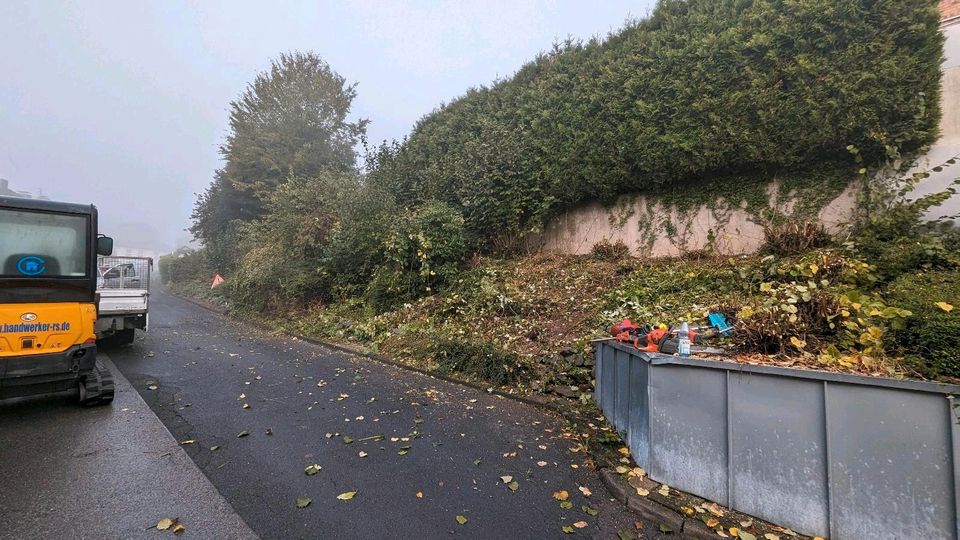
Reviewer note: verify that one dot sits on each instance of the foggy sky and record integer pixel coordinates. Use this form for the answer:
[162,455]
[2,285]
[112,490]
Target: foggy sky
[122,104]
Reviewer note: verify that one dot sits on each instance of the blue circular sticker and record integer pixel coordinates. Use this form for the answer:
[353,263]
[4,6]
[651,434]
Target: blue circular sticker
[31,265]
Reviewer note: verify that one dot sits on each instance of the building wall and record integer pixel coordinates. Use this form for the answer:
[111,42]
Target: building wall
[949,8]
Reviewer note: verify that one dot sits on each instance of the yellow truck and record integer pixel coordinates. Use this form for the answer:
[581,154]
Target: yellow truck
[48,303]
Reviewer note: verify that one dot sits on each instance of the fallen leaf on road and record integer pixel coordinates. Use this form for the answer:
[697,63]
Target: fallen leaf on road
[506,479]
[567,529]
[624,451]
[152,387]
[164,524]
[362,454]
[246,405]
[303,503]
[626,535]
[622,469]
[643,492]
[586,491]
[243,433]
[664,528]
[312,469]
[347,439]
[214,448]
[462,520]
[715,509]
[561,495]
[747,523]
[242,396]
[637,472]
[664,490]
[346,496]
[419,494]
[590,510]
[513,486]
[734,532]
[566,505]
[150,354]
[744,535]
[541,463]
[687,511]
[712,522]
[188,441]
[771,536]
[179,529]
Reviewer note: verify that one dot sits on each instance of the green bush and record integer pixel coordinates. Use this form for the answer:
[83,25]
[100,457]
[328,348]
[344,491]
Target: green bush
[931,339]
[483,360]
[184,265]
[282,252]
[423,252]
[700,89]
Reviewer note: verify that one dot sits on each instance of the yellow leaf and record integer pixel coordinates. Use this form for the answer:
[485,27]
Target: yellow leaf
[506,479]
[814,269]
[643,492]
[771,536]
[622,469]
[561,495]
[625,451]
[419,494]
[164,524]
[179,529]
[586,491]
[346,496]
[712,522]
[797,342]
[944,306]
[734,532]
[817,538]
[687,511]
[462,520]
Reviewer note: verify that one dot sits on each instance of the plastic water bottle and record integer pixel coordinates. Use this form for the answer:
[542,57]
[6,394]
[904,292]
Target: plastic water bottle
[683,345]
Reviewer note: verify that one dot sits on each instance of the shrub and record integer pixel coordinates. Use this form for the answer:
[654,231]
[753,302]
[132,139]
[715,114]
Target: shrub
[793,238]
[184,265]
[931,342]
[483,360]
[606,250]
[282,251]
[423,252]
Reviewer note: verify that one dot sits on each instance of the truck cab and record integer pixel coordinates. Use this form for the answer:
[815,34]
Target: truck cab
[48,304]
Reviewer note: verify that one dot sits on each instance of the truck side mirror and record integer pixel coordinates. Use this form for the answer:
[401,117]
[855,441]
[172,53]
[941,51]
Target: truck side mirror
[104,245]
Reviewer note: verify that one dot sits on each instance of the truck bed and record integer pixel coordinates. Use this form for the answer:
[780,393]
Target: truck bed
[123,301]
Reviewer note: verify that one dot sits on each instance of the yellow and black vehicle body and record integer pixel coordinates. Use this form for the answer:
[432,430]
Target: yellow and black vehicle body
[48,304]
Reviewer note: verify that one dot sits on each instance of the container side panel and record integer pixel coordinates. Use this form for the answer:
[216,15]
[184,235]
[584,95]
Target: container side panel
[622,409]
[779,470]
[608,373]
[688,429]
[638,416]
[891,464]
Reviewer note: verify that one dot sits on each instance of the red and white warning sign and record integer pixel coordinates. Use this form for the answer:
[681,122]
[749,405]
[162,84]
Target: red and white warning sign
[217,280]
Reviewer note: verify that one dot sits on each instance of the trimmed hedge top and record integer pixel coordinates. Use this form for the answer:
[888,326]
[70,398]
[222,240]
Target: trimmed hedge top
[700,88]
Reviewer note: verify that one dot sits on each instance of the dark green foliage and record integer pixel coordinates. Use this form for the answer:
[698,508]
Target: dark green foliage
[931,339]
[701,88]
[423,251]
[479,359]
[184,265]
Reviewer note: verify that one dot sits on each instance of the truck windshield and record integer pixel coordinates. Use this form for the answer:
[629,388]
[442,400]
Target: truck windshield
[43,245]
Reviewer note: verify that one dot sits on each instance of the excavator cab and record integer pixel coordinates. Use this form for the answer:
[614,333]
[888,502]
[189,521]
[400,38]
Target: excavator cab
[48,304]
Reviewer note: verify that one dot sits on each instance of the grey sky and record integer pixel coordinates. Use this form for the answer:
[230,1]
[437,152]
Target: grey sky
[123,103]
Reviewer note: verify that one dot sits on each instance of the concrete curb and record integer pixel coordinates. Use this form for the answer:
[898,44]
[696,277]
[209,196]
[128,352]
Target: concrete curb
[654,511]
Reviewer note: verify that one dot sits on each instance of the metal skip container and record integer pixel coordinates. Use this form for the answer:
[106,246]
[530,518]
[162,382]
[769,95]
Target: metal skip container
[830,454]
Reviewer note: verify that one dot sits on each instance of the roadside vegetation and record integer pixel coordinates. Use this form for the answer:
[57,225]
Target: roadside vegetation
[421,252]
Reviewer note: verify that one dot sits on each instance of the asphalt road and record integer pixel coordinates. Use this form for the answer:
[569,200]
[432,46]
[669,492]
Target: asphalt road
[101,472]
[418,451]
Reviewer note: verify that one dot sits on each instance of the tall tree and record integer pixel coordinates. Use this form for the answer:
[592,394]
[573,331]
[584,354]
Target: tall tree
[290,121]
